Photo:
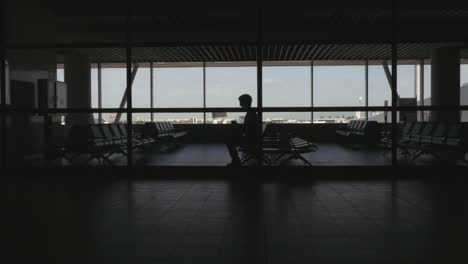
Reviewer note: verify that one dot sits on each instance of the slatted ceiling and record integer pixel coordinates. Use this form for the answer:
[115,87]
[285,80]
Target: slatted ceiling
[273,52]
[229,50]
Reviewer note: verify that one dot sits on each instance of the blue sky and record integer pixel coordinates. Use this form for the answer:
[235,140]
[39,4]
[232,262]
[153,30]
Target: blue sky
[282,86]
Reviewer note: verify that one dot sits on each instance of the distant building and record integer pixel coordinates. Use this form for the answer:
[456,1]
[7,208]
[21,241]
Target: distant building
[219,114]
[330,120]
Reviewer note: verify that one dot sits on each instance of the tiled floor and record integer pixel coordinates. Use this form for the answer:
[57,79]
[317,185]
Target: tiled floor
[236,221]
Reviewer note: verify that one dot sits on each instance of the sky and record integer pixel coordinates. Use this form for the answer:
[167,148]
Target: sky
[282,86]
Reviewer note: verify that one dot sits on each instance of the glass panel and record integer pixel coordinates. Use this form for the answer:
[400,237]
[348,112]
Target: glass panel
[380,91]
[114,84]
[225,84]
[338,85]
[286,86]
[141,92]
[178,86]
[406,80]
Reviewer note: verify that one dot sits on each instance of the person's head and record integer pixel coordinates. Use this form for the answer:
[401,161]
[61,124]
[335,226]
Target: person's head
[245,101]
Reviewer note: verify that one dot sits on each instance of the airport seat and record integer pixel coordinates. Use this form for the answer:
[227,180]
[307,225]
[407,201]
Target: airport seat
[167,130]
[138,139]
[285,145]
[360,131]
[441,140]
[89,140]
[403,129]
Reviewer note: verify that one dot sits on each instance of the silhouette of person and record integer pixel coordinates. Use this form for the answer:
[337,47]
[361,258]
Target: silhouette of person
[246,135]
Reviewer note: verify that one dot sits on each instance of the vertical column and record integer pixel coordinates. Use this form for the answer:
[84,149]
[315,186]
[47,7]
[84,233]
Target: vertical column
[99,92]
[129,107]
[394,43]
[3,139]
[128,92]
[204,93]
[367,88]
[151,91]
[445,83]
[394,106]
[259,53]
[420,87]
[312,91]
[78,79]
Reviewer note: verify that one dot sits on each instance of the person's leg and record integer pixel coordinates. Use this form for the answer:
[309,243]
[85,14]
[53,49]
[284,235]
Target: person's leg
[232,149]
[232,142]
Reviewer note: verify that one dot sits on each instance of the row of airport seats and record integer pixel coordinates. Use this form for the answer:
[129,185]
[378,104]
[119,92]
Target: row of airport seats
[162,131]
[439,139]
[101,141]
[280,142]
[363,131]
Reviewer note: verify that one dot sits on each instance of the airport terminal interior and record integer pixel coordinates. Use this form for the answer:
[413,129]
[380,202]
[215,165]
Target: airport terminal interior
[234,132]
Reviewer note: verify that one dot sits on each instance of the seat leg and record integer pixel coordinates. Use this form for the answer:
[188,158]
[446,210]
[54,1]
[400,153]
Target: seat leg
[245,158]
[279,157]
[416,155]
[265,159]
[286,160]
[299,156]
